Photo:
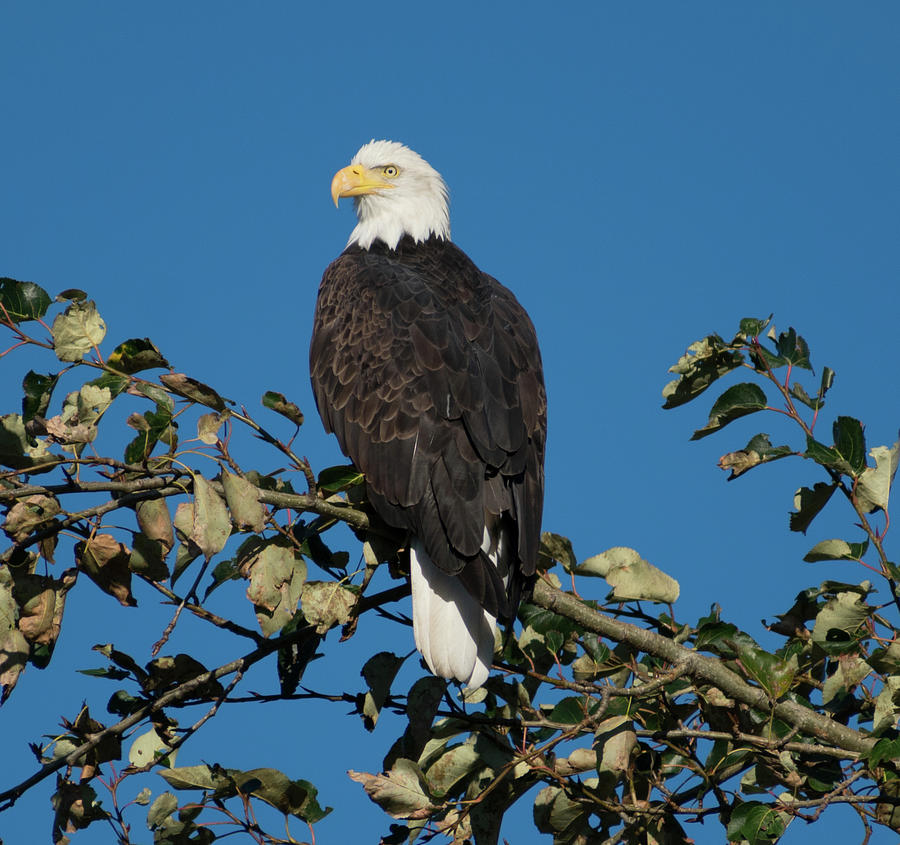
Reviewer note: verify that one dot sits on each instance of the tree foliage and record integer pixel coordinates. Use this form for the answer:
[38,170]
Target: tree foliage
[618,723]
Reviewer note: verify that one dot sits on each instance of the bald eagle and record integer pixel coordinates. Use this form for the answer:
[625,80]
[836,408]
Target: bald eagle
[428,372]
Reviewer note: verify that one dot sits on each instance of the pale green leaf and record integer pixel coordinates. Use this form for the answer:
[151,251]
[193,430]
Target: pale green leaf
[843,613]
[874,486]
[630,576]
[451,767]
[148,748]
[398,792]
[887,706]
[211,526]
[615,742]
[247,512]
[835,550]
[163,807]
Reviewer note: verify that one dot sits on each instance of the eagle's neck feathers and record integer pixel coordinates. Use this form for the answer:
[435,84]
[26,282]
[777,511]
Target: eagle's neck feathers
[418,205]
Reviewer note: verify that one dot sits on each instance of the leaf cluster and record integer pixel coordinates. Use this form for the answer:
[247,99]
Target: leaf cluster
[619,721]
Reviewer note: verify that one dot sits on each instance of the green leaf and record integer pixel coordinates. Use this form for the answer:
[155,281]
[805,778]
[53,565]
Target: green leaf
[224,570]
[278,403]
[294,657]
[198,777]
[38,390]
[122,703]
[161,809]
[111,382]
[793,349]
[121,659]
[705,361]
[71,295]
[556,547]
[148,558]
[836,550]
[134,355]
[152,427]
[153,392]
[165,673]
[809,503]
[15,449]
[194,390]
[738,401]
[850,443]
[884,749]
[597,650]
[110,672]
[22,301]
[825,385]
[555,812]
[764,360]
[14,651]
[772,673]
[570,711]
[821,454]
[544,621]
[751,327]
[339,478]
[848,455]
[77,331]
[799,393]
[755,823]
[379,672]
[294,797]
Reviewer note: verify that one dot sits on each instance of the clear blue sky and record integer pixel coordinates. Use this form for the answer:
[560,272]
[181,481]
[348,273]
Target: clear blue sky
[639,174]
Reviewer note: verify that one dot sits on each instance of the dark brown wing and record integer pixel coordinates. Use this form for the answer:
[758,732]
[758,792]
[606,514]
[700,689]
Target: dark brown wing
[428,372]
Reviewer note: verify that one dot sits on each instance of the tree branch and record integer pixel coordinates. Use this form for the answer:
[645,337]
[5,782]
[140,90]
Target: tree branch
[701,668]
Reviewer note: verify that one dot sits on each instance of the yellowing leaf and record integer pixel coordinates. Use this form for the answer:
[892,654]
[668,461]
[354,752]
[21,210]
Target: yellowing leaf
[326,604]
[105,560]
[77,331]
[276,582]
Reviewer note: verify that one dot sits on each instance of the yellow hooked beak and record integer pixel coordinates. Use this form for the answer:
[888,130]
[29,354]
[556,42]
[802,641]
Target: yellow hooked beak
[355,180]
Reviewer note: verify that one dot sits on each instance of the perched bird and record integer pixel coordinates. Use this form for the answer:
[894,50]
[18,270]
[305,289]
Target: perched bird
[428,372]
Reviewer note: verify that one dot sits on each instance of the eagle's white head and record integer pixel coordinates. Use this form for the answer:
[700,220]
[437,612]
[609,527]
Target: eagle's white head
[396,193]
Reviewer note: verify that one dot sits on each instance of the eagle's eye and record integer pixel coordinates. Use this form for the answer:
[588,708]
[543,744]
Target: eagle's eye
[390,171]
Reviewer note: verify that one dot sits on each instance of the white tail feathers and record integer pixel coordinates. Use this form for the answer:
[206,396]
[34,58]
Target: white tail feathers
[453,632]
